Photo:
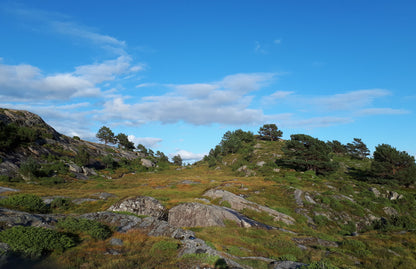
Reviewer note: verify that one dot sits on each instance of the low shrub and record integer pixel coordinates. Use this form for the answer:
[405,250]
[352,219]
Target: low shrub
[93,228]
[25,202]
[35,241]
[61,203]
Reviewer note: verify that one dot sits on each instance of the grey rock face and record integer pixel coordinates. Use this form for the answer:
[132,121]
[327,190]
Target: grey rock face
[201,215]
[116,242]
[12,218]
[74,168]
[239,203]
[390,211]
[103,195]
[141,205]
[147,163]
[4,189]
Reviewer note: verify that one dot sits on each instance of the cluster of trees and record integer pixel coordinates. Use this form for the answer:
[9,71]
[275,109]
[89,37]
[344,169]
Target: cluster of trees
[303,152]
[107,136]
[13,135]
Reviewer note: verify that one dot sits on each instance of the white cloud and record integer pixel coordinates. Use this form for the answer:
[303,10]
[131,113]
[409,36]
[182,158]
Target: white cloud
[25,82]
[224,102]
[188,156]
[348,101]
[277,41]
[381,111]
[148,142]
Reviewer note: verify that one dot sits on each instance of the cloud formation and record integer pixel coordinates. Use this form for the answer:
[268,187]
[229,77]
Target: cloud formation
[225,102]
[26,82]
[148,142]
[188,156]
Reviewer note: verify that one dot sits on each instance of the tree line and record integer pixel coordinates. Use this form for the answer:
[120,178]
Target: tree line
[106,135]
[303,152]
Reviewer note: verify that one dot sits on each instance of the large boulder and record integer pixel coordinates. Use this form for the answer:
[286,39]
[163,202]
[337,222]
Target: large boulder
[239,203]
[141,205]
[201,215]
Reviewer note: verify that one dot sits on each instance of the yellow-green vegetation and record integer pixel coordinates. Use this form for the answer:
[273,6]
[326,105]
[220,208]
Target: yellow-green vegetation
[340,206]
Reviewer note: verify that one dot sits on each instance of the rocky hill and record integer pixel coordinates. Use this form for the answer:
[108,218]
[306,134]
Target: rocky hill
[25,136]
[240,207]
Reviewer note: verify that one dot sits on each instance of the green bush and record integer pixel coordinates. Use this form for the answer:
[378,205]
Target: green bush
[35,241]
[25,202]
[30,168]
[93,228]
[394,223]
[320,220]
[61,203]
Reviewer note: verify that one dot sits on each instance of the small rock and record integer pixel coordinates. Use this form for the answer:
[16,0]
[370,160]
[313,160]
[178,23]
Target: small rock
[103,195]
[277,170]
[376,192]
[309,199]
[141,205]
[88,171]
[116,242]
[390,211]
[261,164]
[298,197]
[393,195]
[147,163]
[79,201]
[74,168]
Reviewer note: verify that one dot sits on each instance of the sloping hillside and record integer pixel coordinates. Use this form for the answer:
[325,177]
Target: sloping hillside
[24,137]
[235,209]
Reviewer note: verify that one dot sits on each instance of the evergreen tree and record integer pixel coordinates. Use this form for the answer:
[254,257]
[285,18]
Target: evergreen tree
[124,142]
[142,149]
[161,156]
[177,160]
[304,152]
[391,164]
[270,132]
[357,149]
[337,147]
[106,135]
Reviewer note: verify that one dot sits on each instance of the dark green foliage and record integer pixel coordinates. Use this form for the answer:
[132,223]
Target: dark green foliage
[234,141]
[61,203]
[25,202]
[83,157]
[30,168]
[106,135]
[123,142]
[12,135]
[142,149]
[270,132]
[50,181]
[161,157]
[93,228]
[304,152]
[35,241]
[177,160]
[392,165]
[337,147]
[394,223]
[357,149]
[76,138]
[109,162]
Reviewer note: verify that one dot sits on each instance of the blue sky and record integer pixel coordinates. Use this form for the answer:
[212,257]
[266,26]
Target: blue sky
[176,75]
